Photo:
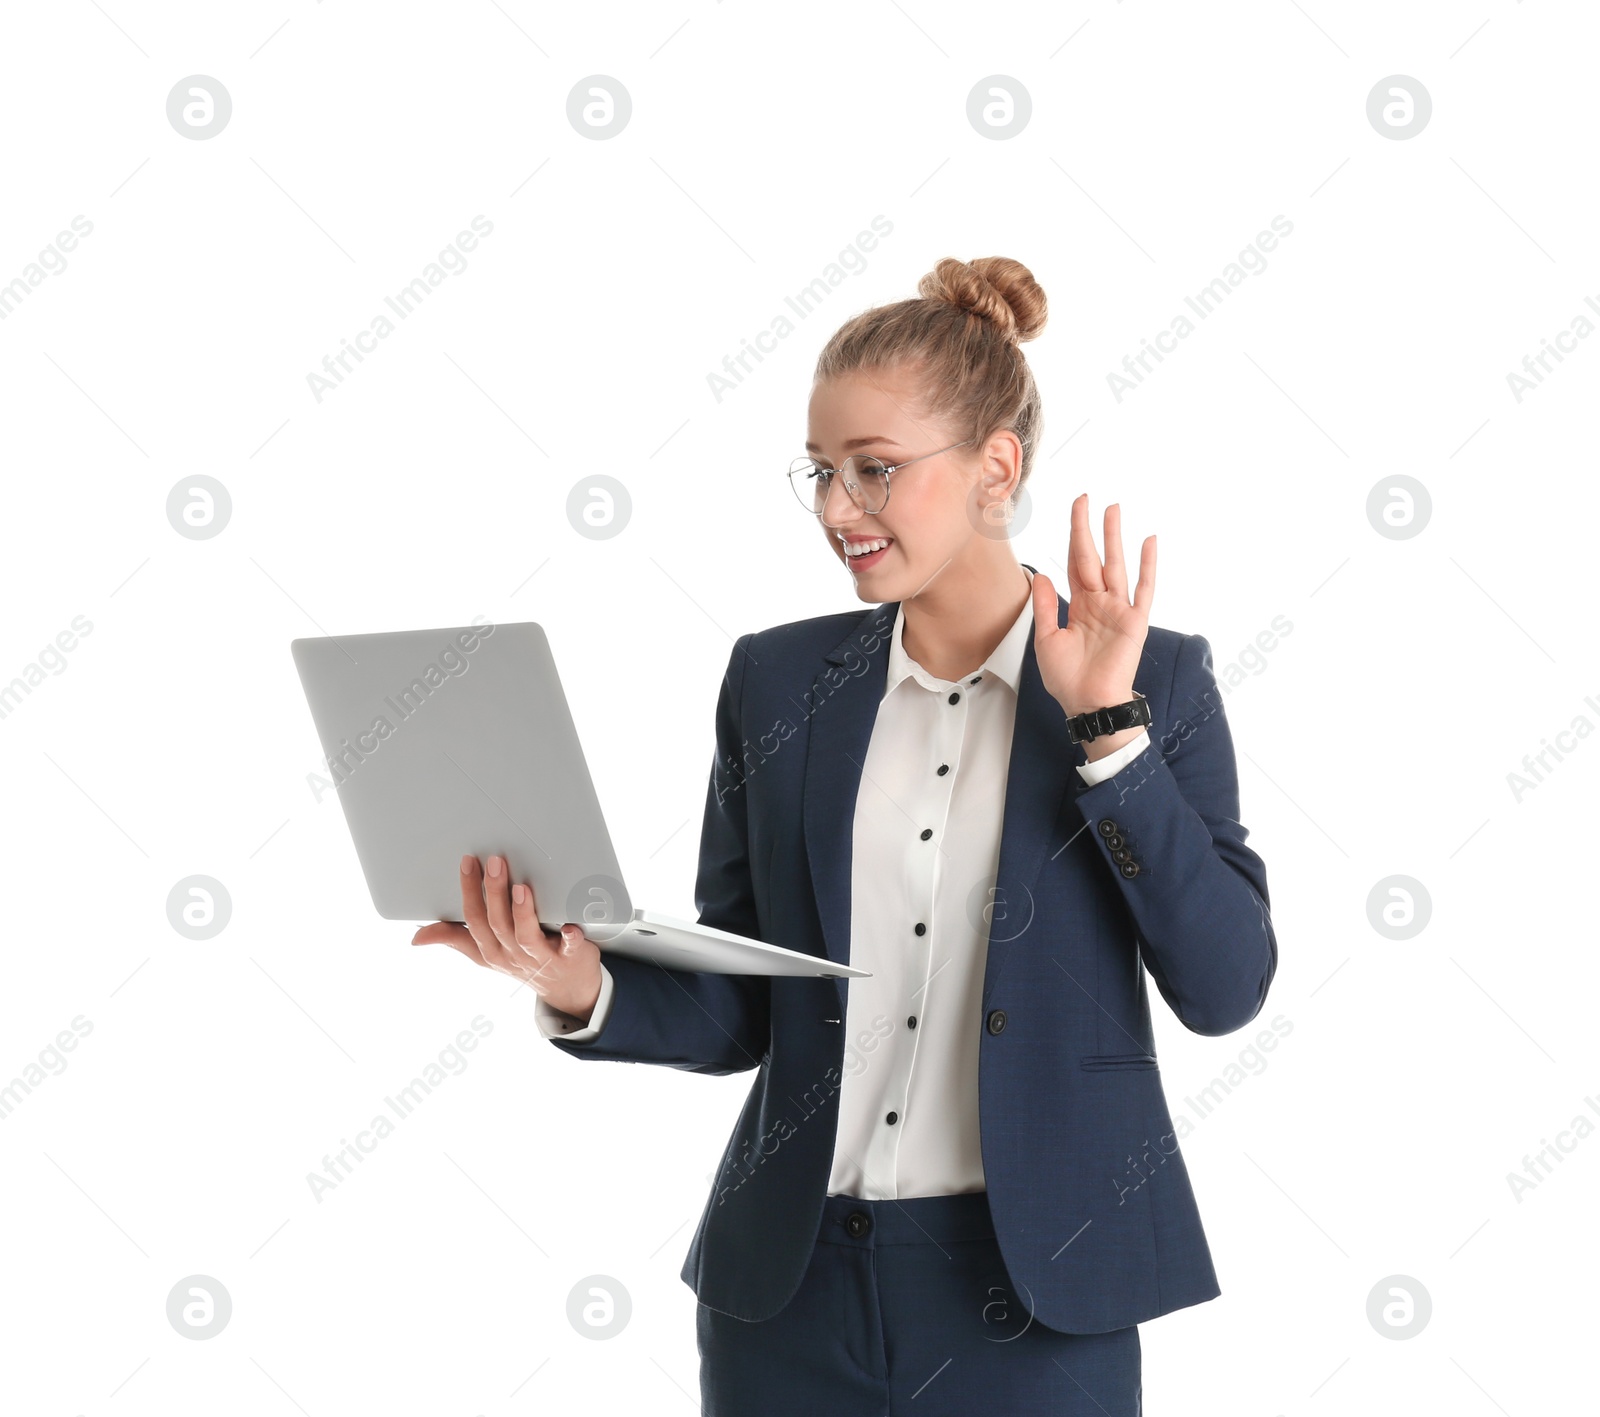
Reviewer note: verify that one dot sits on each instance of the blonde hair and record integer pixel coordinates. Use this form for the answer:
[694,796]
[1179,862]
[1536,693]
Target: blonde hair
[961,342]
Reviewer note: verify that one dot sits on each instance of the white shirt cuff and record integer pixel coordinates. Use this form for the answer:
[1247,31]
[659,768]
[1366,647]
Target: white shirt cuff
[555,1024]
[1102,768]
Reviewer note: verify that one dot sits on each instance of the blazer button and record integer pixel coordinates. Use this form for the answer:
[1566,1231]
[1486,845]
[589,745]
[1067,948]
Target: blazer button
[1130,869]
[997,1021]
[1122,855]
[857,1224]
[1114,840]
[1108,827]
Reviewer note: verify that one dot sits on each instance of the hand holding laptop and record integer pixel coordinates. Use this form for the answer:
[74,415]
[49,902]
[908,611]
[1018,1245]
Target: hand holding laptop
[460,740]
[503,932]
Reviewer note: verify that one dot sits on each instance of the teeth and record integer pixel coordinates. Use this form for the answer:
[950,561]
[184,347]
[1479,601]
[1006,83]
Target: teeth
[862,548]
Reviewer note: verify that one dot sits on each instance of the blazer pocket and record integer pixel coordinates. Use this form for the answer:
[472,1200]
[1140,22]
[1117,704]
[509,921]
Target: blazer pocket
[1104,1061]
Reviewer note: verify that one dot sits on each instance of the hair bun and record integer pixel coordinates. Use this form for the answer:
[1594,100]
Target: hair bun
[995,288]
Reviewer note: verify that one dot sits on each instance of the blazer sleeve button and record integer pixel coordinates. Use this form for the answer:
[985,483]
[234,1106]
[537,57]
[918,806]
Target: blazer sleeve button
[997,1021]
[1130,869]
[1107,827]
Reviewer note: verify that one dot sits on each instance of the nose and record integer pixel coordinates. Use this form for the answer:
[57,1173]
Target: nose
[839,498]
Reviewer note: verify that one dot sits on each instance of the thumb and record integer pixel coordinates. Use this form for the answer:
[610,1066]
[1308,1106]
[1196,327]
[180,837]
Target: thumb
[1044,607]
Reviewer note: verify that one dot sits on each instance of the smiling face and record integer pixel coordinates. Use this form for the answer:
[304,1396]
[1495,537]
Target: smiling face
[934,509]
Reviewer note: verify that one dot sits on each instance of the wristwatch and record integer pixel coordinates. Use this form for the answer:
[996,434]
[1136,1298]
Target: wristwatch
[1083,727]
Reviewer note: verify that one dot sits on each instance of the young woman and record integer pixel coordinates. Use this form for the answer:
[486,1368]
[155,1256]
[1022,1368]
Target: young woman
[956,1181]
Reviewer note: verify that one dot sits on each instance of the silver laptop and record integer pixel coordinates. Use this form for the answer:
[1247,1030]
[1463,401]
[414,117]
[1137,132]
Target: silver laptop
[449,742]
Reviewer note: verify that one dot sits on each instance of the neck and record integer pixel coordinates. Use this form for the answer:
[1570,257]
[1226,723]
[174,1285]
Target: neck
[954,623]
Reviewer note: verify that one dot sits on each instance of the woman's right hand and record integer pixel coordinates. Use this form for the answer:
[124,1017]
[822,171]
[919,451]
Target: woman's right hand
[502,931]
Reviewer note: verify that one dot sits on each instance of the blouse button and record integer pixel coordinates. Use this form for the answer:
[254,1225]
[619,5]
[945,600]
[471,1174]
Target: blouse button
[943,769]
[927,832]
[955,698]
[892,1118]
[921,928]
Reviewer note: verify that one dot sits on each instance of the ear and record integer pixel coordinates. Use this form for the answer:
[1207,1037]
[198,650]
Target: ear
[1000,463]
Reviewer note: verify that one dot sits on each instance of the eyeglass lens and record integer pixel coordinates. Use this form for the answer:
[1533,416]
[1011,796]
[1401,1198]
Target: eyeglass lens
[865,479]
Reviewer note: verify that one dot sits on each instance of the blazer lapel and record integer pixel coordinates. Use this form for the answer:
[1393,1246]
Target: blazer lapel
[845,696]
[1041,778]
[843,707]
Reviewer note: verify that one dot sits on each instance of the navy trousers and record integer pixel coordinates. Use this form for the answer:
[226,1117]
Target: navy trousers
[906,1310]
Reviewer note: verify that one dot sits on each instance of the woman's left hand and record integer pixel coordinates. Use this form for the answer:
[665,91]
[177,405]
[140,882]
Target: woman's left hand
[1089,662]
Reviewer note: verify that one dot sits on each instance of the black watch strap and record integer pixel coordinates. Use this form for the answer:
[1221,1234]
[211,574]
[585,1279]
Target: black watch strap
[1083,727]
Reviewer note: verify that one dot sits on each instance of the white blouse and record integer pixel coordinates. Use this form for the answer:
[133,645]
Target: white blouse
[908,1102]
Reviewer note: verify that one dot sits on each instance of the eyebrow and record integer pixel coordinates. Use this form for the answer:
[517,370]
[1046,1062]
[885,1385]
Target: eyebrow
[857,443]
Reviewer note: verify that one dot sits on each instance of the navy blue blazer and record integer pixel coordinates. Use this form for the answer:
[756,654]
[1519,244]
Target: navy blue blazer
[1096,885]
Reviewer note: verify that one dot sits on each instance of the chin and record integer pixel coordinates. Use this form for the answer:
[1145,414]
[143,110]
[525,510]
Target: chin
[875,580]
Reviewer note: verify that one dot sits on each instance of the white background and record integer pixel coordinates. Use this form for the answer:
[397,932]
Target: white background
[1374,740]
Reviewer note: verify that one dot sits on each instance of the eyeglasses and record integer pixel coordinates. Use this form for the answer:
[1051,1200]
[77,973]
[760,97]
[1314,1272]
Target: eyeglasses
[866,479]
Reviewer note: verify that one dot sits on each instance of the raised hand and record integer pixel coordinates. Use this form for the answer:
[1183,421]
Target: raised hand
[1089,662]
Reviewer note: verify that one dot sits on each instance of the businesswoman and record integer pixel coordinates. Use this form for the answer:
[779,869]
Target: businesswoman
[955,1182]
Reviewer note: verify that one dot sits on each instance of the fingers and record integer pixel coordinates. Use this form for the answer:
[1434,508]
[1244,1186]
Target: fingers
[1083,563]
[474,912]
[497,901]
[1116,572]
[502,932]
[503,922]
[530,937]
[1084,567]
[1145,592]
